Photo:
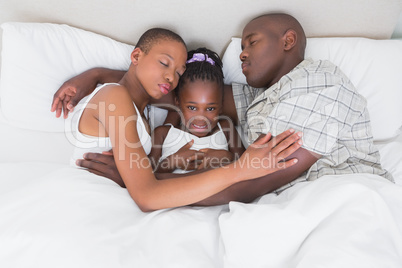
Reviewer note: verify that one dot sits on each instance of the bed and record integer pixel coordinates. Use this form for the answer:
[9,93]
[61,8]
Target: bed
[54,215]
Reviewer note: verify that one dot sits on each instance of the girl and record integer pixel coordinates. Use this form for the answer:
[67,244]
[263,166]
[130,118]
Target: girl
[114,113]
[205,139]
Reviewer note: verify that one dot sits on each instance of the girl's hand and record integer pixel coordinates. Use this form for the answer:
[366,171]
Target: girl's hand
[266,155]
[215,158]
[185,158]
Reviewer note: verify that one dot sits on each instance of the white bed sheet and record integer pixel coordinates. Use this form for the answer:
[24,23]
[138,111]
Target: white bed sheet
[336,221]
[53,215]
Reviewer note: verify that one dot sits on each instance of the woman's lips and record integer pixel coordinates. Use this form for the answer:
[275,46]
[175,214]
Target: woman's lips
[165,88]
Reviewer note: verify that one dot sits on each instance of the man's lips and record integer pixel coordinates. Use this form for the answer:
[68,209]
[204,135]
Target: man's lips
[165,88]
[244,66]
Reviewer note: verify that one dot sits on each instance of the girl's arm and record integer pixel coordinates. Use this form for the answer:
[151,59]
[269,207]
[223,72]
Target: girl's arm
[234,141]
[158,137]
[173,161]
[217,158]
[261,158]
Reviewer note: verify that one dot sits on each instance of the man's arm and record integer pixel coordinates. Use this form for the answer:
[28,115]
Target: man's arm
[77,87]
[248,191]
[229,107]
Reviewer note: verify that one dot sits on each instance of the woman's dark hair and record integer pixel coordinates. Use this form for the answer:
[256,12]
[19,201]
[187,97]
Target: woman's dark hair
[202,69]
[156,35]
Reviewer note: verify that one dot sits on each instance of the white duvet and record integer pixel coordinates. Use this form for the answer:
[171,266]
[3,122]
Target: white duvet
[58,216]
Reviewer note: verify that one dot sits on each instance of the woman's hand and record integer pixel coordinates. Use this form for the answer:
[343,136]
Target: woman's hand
[266,155]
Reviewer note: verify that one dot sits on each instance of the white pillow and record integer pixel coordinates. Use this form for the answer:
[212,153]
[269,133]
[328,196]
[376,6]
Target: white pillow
[391,157]
[38,57]
[373,66]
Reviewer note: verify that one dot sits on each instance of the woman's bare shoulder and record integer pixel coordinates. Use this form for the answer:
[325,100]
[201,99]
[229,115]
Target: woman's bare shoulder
[111,92]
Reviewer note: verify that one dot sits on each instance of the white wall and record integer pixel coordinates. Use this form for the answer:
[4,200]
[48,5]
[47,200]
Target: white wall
[398,30]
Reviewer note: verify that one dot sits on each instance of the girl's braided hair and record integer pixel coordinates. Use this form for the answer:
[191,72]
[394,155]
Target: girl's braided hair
[209,68]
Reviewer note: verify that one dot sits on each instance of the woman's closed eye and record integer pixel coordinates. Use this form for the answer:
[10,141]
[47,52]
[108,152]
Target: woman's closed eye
[164,64]
[180,73]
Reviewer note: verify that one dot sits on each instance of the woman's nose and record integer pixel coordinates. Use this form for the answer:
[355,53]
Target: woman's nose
[169,76]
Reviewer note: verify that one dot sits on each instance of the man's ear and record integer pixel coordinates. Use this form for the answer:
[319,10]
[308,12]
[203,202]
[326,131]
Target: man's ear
[136,55]
[290,39]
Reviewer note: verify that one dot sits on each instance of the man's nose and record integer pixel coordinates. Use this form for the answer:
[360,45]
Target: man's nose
[243,55]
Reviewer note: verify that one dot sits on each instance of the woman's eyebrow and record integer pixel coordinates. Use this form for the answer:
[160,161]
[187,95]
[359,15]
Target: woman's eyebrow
[170,57]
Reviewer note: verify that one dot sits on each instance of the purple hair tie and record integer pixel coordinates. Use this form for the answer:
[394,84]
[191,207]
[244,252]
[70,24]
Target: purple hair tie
[201,57]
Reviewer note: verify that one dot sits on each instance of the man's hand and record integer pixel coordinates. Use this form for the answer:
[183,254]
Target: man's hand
[102,165]
[72,91]
[76,88]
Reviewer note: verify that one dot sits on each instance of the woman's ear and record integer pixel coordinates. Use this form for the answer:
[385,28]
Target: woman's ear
[290,39]
[136,55]
[176,100]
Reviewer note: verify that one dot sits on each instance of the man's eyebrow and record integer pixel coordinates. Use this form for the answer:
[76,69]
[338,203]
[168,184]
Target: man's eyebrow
[247,37]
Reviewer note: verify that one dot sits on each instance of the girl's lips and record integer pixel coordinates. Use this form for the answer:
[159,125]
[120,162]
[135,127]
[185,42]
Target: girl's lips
[199,127]
[165,88]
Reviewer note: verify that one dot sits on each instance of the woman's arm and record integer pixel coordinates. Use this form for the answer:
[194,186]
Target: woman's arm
[248,191]
[263,157]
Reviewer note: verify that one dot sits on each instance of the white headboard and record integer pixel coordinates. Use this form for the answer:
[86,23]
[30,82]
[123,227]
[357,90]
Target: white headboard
[209,22]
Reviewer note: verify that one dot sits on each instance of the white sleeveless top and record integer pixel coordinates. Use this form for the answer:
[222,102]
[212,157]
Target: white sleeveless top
[86,143]
[177,138]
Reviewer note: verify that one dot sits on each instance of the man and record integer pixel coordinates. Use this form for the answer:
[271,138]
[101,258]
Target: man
[285,91]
